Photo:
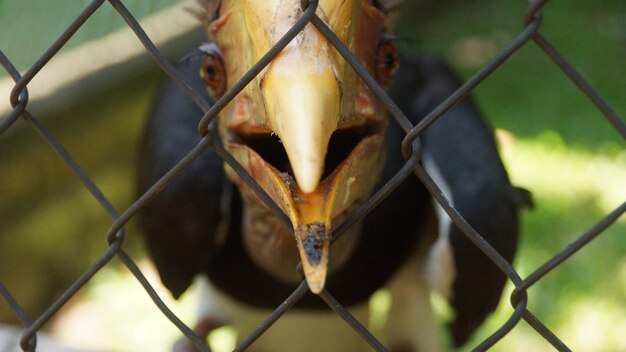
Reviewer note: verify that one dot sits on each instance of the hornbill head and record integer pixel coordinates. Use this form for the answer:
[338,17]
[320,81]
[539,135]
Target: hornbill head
[307,128]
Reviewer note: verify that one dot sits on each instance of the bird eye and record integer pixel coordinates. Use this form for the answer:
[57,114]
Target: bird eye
[213,72]
[386,60]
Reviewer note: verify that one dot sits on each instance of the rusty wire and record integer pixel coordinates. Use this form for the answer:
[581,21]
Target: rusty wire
[410,147]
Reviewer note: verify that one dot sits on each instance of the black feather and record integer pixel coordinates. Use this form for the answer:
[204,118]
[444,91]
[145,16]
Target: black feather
[180,225]
[462,146]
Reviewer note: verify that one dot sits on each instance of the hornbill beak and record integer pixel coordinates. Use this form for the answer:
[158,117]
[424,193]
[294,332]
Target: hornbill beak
[306,128]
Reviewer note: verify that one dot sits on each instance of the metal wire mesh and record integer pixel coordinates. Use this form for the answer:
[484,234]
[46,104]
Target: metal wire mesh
[116,235]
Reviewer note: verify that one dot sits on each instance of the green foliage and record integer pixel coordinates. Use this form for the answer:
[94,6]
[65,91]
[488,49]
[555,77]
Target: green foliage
[49,19]
[558,145]
[529,94]
[51,228]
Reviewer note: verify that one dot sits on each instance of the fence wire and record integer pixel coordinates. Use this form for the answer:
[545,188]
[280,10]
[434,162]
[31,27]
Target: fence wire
[115,236]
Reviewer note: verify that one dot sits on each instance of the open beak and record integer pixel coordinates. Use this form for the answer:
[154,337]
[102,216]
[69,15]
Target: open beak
[317,179]
[305,129]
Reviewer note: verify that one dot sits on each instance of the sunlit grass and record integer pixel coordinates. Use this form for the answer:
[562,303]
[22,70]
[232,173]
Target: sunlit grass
[582,301]
[116,314]
[557,172]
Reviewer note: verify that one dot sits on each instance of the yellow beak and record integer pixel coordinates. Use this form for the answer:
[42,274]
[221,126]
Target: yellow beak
[307,97]
[302,101]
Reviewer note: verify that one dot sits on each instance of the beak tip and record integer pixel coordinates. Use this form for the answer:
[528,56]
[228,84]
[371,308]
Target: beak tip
[314,242]
[316,278]
[307,174]
[316,288]
[307,185]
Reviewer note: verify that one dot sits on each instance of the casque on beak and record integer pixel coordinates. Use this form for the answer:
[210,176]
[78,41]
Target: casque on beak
[306,129]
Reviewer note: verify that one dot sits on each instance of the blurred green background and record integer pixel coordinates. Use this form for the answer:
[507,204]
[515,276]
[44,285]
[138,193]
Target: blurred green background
[553,140]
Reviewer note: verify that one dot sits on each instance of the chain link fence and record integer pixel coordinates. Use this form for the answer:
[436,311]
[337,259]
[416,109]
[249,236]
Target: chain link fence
[116,235]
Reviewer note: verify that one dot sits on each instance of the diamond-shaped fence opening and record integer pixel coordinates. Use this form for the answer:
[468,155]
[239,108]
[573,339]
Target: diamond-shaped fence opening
[115,241]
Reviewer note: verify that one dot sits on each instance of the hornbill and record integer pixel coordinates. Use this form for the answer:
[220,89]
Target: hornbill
[318,141]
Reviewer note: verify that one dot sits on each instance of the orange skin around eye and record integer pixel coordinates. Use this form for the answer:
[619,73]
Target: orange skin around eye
[214,75]
[386,62]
